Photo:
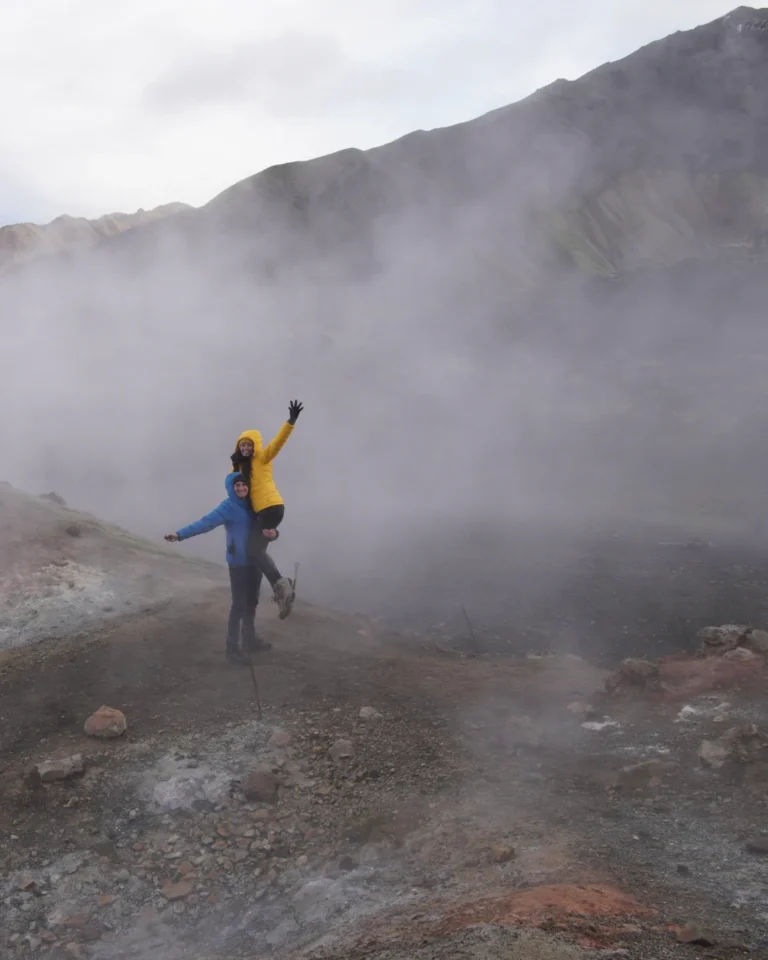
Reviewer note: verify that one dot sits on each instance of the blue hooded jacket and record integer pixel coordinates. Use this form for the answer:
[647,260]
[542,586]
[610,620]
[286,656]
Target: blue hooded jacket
[236,515]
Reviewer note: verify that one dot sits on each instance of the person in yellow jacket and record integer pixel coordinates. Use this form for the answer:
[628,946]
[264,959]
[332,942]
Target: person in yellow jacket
[254,462]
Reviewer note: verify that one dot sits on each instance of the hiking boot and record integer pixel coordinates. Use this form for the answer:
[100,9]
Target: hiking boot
[256,644]
[284,596]
[234,656]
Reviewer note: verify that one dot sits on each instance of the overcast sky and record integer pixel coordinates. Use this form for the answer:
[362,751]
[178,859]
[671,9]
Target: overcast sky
[108,106]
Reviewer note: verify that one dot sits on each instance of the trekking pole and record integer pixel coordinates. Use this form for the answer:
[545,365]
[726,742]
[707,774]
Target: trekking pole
[295,575]
[255,684]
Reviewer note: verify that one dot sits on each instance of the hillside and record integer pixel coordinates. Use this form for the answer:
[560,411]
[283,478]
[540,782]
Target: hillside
[394,799]
[24,242]
[653,159]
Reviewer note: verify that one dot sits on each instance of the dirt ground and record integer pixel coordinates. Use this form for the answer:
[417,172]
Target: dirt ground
[409,802]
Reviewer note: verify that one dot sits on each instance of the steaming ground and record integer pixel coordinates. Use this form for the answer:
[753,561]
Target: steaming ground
[472,811]
[603,591]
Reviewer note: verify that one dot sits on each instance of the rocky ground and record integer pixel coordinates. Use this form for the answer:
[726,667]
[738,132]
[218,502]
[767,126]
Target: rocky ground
[392,800]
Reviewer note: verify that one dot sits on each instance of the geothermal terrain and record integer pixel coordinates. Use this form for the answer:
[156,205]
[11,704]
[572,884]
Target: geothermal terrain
[520,709]
[394,797]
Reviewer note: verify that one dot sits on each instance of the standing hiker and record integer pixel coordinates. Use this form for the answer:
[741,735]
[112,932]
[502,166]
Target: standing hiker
[237,518]
[254,462]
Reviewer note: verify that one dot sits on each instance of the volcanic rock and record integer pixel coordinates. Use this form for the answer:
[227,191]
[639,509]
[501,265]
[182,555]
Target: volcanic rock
[261,786]
[62,769]
[106,723]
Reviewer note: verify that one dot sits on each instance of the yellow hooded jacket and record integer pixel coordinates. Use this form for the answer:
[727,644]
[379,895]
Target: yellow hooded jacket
[263,491]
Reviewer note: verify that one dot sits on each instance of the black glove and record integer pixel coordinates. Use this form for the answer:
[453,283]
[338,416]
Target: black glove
[294,409]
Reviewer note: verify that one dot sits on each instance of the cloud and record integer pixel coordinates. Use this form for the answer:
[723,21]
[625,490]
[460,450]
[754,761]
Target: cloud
[177,99]
[295,74]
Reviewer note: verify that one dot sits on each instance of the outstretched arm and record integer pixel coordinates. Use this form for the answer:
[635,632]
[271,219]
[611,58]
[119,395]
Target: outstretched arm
[207,523]
[275,446]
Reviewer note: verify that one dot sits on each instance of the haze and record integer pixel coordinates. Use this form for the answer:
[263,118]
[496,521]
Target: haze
[449,386]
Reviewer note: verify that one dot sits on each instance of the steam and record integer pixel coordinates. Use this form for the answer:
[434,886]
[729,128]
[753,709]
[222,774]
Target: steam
[455,372]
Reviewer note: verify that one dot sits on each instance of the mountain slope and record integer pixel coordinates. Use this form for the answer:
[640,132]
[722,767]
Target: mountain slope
[23,242]
[652,159]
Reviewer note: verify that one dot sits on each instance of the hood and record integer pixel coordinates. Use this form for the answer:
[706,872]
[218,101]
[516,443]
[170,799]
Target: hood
[253,435]
[229,483]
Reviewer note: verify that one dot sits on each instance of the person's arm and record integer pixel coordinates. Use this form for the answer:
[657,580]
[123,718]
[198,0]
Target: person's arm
[275,446]
[207,523]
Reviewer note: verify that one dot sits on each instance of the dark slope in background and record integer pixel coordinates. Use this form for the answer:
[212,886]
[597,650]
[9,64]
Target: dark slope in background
[549,321]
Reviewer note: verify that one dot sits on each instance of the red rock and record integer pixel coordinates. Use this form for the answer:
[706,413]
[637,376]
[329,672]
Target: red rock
[106,723]
[177,891]
[683,679]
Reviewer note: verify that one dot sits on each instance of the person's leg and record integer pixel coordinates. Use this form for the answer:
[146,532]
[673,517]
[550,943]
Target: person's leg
[270,519]
[238,581]
[282,587]
[258,556]
[252,641]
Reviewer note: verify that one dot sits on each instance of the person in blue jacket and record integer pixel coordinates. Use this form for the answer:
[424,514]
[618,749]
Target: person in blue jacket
[236,515]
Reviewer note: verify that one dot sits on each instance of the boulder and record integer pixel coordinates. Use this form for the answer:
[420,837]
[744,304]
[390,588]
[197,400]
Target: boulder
[715,641]
[261,786]
[106,723]
[64,768]
[713,753]
[757,642]
[632,673]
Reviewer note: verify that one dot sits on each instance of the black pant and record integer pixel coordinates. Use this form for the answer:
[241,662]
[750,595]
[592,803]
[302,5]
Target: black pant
[246,586]
[271,517]
[267,519]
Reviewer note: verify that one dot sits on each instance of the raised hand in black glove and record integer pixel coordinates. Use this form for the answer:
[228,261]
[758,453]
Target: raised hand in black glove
[294,409]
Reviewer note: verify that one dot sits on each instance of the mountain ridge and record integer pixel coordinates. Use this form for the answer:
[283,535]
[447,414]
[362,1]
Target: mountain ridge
[583,168]
[25,242]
